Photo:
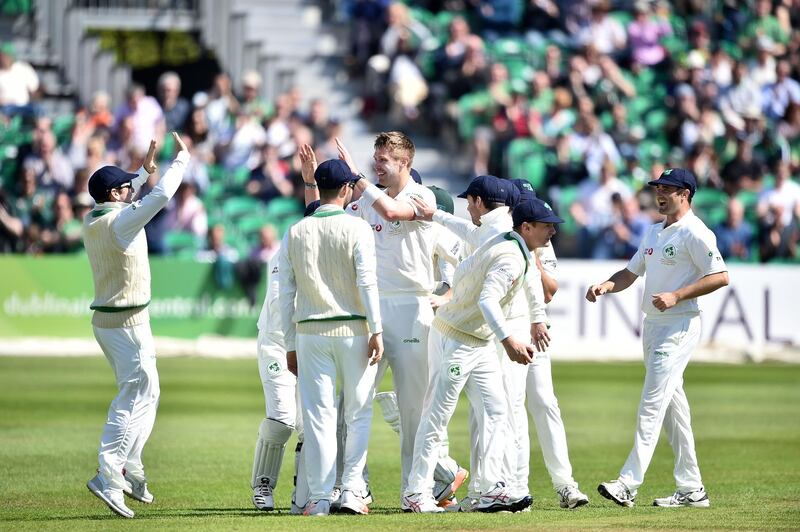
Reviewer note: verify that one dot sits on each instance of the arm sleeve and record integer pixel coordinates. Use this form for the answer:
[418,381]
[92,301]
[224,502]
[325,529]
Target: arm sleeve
[134,217]
[637,264]
[448,246]
[287,289]
[139,180]
[463,229]
[534,292]
[366,278]
[547,257]
[705,255]
[499,280]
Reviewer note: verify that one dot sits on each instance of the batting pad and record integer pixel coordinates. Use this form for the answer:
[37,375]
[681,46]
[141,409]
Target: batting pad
[272,438]
[391,412]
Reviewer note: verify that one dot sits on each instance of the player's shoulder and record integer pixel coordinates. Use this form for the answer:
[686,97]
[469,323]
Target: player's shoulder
[414,189]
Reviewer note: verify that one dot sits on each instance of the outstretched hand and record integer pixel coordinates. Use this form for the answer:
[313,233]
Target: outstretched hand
[149,163]
[308,163]
[179,142]
[422,210]
[345,156]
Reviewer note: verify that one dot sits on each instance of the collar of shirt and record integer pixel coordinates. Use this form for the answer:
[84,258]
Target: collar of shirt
[329,207]
[522,244]
[685,220]
[494,214]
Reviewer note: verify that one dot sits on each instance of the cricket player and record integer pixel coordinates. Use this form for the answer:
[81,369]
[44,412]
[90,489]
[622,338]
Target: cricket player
[405,250]
[463,331]
[537,386]
[117,249]
[680,261]
[334,332]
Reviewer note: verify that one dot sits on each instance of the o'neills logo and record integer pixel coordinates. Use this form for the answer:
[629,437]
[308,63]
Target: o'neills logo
[410,340]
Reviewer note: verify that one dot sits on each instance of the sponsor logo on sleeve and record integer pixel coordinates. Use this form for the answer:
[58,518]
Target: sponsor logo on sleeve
[274,368]
[454,372]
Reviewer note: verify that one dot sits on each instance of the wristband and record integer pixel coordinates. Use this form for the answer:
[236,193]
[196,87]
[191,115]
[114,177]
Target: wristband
[371,194]
[310,185]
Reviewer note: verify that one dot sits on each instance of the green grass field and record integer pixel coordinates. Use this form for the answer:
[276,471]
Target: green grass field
[746,421]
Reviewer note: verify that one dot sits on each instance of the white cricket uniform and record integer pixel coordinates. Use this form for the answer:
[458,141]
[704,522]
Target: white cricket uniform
[328,287]
[405,251]
[543,405]
[464,330]
[670,258]
[279,384]
[123,332]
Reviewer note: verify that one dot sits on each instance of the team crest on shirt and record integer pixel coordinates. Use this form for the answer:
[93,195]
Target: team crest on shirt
[454,372]
[274,368]
[668,255]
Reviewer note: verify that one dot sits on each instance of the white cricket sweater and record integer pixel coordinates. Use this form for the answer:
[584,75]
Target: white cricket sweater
[327,279]
[484,286]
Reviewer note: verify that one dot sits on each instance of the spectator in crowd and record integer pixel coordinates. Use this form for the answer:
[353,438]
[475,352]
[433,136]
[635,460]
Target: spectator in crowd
[11,227]
[203,142]
[18,84]
[252,102]
[271,178]
[49,165]
[221,106]
[222,256]
[594,211]
[242,150]
[764,24]
[605,33]
[784,91]
[783,197]
[742,172]
[268,244]
[368,19]
[735,235]
[743,93]
[593,145]
[175,107]
[64,235]
[567,169]
[186,212]
[628,227]
[33,207]
[145,115]
[645,33]
[318,120]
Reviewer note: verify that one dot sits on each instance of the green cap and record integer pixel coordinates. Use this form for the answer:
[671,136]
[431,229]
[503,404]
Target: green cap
[8,49]
[444,202]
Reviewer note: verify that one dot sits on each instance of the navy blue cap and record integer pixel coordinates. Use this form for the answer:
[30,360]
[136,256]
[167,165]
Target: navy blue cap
[525,190]
[415,176]
[332,174]
[106,178]
[677,177]
[311,207]
[490,189]
[534,210]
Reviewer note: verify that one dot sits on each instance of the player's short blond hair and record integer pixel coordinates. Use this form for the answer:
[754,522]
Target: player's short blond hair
[396,142]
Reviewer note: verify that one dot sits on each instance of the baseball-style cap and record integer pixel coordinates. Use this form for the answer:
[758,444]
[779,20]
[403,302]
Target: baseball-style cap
[489,188]
[677,177]
[443,200]
[415,176]
[106,178]
[534,210]
[525,190]
[332,174]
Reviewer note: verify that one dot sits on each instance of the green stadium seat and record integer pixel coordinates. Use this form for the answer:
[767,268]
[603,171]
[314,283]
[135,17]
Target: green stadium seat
[182,242]
[237,206]
[516,154]
[279,208]
[534,170]
[565,197]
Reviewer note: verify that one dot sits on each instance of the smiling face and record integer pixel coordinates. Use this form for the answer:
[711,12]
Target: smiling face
[671,200]
[390,165]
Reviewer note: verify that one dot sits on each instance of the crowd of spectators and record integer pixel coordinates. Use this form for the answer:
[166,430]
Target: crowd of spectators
[240,191]
[587,99]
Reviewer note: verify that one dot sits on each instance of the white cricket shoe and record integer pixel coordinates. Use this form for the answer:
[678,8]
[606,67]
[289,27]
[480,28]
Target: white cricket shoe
[352,502]
[318,508]
[500,499]
[262,496]
[113,498]
[696,499]
[419,503]
[617,491]
[137,489]
[571,497]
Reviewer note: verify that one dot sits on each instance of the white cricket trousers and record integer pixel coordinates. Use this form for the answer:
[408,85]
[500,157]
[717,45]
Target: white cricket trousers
[475,370]
[543,408]
[320,360]
[407,323]
[132,355]
[279,384]
[668,343]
